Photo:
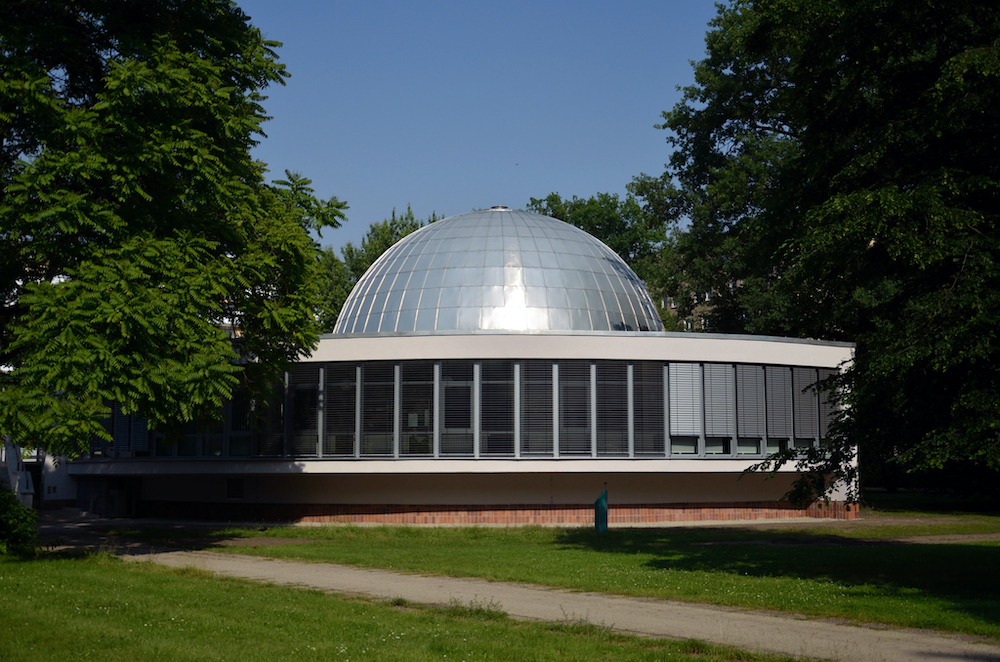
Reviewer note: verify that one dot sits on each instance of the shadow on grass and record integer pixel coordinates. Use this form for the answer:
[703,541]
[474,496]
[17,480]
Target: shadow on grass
[966,577]
[928,503]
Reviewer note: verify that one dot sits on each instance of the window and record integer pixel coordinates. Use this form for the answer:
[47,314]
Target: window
[720,401]
[270,415]
[240,424]
[339,399]
[456,403]
[497,436]
[574,407]
[612,408]
[806,403]
[685,399]
[377,402]
[417,408]
[778,387]
[536,408]
[647,397]
[303,383]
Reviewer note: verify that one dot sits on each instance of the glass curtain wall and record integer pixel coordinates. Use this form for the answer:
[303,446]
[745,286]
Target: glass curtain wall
[461,408]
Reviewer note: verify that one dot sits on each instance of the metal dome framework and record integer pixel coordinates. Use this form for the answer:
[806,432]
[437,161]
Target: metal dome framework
[503,270]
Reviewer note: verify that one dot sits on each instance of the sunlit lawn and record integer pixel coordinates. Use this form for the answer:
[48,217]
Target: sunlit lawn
[820,571]
[101,608]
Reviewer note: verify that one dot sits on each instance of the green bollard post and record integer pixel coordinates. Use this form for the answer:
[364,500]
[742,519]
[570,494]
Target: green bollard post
[601,512]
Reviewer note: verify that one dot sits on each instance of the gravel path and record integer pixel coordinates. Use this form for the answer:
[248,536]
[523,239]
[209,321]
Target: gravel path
[757,631]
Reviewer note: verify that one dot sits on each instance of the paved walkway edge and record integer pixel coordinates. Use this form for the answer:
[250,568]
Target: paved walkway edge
[755,631]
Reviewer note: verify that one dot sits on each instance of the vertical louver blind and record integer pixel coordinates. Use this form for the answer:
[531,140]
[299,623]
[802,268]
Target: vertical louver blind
[750,401]
[720,400]
[685,399]
[497,435]
[647,378]
[240,424]
[612,408]
[456,396]
[377,402]
[779,401]
[340,400]
[417,408]
[120,426]
[536,408]
[271,423]
[212,438]
[574,407]
[806,403]
[827,402]
[139,434]
[303,384]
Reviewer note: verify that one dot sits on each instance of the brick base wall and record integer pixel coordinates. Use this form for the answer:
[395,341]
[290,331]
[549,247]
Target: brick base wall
[497,515]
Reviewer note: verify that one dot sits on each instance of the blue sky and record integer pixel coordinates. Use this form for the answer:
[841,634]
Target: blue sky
[454,106]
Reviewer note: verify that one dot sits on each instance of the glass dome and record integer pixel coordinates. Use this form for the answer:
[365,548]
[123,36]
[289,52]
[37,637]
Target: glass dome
[498,269]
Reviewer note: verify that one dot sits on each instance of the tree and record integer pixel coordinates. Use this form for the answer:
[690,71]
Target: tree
[624,226]
[146,262]
[835,164]
[339,275]
[18,535]
[315,214]
[619,223]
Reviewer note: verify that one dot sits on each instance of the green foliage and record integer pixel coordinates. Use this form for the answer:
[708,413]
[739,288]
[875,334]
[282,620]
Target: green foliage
[316,214]
[836,162]
[144,254]
[18,535]
[337,275]
[619,223]
[638,237]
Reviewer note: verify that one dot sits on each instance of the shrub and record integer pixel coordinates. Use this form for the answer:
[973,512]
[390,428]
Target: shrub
[17,525]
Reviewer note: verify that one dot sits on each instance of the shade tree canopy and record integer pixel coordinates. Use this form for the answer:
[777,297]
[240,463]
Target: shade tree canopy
[834,175]
[146,261]
[627,228]
[338,275]
[618,222]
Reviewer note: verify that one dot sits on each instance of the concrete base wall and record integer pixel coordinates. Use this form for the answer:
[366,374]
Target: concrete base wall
[470,489]
[484,499]
[497,515]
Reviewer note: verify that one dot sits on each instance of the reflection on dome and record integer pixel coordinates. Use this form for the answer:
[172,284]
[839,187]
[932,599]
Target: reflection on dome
[498,269]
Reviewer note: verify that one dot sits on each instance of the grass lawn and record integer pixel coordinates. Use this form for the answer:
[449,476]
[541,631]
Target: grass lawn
[843,572]
[101,608]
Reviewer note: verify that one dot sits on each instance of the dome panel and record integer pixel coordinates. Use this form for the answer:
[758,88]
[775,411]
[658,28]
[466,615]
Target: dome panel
[498,269]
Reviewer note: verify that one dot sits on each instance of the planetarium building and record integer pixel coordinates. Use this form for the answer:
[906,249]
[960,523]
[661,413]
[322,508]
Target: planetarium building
[495,367]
